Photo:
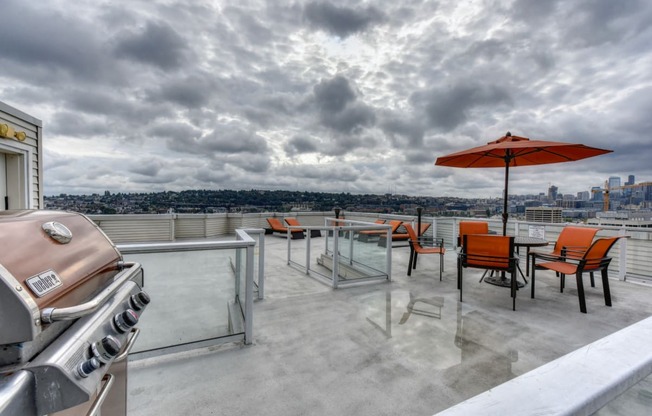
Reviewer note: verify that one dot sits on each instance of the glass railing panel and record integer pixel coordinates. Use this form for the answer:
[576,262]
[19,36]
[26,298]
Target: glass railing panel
[361,256]
[194,296]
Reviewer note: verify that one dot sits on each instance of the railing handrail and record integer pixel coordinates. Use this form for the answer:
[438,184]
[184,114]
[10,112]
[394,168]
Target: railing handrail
[133,248]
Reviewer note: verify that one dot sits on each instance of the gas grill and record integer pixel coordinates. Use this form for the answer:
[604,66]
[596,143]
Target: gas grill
[69,306]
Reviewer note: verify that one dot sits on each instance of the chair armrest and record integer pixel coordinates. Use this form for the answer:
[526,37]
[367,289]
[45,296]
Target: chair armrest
[431,242]
[573,251]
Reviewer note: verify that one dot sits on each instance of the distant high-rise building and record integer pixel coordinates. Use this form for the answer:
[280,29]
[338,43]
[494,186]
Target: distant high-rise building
[597,193]
[630,180]
[552,193]
[614,182]
[583,196]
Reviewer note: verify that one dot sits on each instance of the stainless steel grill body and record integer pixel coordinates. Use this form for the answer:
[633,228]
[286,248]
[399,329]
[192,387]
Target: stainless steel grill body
[68,310]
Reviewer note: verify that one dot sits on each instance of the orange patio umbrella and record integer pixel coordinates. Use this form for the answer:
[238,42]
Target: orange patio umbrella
[511,151]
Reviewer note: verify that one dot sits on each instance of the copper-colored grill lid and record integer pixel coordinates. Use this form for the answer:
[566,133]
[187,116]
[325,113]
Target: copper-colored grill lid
[58,258]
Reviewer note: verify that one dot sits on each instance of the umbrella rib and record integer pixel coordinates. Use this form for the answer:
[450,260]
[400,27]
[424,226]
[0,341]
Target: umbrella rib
[541,149]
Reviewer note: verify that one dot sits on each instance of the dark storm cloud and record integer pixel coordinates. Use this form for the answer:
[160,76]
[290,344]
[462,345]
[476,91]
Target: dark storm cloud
[73,124]
[334,94]
[533,10]
[447,108]
[258,163]
[339,107]
[340,145]
[36,38]
[158,44]
[174,130]
[411,130]
[223,140]
[341,21]
[150,167]
[595,22]
[351,120]
[299,145]
[190,92]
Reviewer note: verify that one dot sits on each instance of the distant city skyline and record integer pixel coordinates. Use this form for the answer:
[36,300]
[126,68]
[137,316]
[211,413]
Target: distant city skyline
[326,95]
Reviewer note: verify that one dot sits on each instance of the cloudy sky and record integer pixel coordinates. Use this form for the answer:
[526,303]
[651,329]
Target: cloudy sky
[341,96]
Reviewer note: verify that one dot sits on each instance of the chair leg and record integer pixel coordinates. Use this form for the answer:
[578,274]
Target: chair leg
[409,272]
[441,265]
[513,289]
[562,282]
[459,266]
[605,286]
[459,281]
[592,281]
[414,265]
[532,282]
[580,292]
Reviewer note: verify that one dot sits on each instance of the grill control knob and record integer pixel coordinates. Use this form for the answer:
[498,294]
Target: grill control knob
[105,349]
[139,300]
[125,320]
[88,367]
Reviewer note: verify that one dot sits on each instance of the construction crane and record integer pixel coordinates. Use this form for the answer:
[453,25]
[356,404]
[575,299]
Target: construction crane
[607,189]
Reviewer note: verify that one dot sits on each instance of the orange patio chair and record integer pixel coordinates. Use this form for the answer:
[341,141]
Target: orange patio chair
[592,260]
[367,235]
[572,242]
[293,222]
[471,227]
[276,226]
[417,248]
[488,252]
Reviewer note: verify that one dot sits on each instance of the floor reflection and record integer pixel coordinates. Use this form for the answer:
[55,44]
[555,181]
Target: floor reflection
[435,312]
[468,346]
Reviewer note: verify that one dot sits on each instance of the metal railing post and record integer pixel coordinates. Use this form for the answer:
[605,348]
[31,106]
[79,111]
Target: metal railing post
[238,267]
[249,296]
[336,258]
[350,246]
[388,256]
[308,232]
[261,265]
[289,238]
[622,255]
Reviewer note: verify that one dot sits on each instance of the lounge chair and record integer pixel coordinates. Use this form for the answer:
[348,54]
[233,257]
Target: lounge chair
[277,227]
[367,235]
[402,236]
[293,222]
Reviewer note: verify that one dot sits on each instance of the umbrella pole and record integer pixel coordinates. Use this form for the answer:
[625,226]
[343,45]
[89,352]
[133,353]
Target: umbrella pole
[505,214]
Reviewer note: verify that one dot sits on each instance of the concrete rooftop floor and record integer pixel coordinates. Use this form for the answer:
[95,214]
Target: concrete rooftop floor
[360,351]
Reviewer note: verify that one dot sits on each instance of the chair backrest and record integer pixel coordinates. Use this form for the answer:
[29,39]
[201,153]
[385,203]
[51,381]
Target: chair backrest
[596,255]
[574,237]
[276,224]
[293,222]
[412,234]
[471,227]
[395,224]
[488,251]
